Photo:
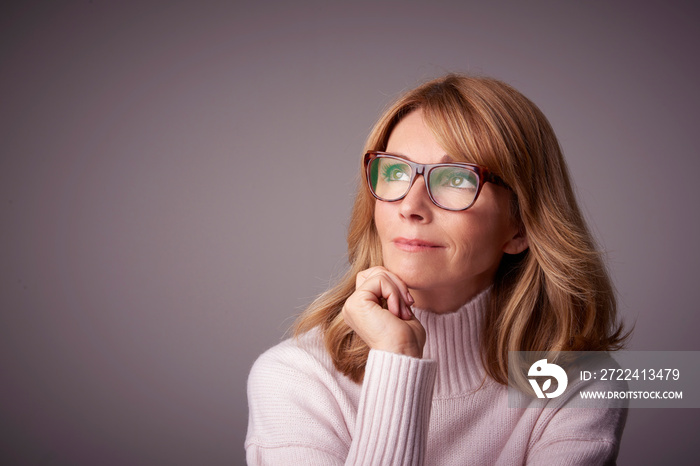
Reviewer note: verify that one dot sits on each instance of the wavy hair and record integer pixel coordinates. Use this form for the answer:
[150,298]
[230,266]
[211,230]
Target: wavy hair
[554,296]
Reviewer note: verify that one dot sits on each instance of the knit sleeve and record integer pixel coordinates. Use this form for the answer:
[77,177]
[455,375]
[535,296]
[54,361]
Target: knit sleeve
[394,411]
[300,414]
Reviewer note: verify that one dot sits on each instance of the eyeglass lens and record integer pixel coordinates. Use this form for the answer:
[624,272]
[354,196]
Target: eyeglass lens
[451,187]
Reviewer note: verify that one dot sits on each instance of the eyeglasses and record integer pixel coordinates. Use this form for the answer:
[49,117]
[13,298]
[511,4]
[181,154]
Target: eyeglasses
[451,186]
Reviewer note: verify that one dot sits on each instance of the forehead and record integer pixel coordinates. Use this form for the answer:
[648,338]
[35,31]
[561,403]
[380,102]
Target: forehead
[413,139]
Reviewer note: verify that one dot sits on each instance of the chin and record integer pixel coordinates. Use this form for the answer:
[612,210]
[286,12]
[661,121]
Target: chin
[416,278]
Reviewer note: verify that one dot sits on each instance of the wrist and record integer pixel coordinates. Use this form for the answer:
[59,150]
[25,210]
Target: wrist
[411,350]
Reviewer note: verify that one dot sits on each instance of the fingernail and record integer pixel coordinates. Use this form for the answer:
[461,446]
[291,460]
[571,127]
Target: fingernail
[411,301]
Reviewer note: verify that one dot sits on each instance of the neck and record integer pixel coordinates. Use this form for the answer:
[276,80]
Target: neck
[454,341]
[446,300]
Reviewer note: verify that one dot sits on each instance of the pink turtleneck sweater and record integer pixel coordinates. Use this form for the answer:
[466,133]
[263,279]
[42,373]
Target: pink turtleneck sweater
[432,411]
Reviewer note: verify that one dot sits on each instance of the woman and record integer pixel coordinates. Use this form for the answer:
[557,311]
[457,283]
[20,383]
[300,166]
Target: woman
[465,243]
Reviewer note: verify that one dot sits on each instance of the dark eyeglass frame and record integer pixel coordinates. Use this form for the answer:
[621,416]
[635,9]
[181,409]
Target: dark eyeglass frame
[483,175]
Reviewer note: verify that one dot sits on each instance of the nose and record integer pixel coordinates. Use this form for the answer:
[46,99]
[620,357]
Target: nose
[416,205]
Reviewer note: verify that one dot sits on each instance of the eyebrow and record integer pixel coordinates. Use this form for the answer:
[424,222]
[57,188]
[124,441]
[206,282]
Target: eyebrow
[445,158]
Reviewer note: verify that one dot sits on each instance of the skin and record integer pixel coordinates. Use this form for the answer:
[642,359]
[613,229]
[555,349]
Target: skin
[455,257]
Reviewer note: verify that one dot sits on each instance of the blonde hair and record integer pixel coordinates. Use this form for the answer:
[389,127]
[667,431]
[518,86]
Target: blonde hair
[554,296]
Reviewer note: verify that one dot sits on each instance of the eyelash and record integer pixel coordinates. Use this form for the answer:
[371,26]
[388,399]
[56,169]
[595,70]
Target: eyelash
[387,170]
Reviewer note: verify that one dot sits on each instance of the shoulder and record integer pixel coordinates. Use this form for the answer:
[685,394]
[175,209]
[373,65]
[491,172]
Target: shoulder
[576,430]
[578,436]
[303,357]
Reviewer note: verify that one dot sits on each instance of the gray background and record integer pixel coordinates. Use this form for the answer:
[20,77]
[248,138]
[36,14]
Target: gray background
[176,178]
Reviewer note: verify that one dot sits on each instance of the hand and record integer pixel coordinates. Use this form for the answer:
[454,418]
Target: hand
[394,329]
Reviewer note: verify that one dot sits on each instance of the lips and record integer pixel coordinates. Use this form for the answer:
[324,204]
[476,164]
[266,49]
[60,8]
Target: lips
[415,244]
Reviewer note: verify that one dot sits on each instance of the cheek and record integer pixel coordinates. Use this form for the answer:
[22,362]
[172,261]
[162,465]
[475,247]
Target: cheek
[470,244]
[380,218]
[479,240]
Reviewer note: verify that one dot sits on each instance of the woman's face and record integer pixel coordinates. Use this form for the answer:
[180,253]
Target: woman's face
[444,257]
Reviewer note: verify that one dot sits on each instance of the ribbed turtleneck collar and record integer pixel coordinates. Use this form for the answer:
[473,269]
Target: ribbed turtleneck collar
[453,340]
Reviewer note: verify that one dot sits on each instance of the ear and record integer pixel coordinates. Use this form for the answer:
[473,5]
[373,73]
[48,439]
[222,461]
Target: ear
[517,243]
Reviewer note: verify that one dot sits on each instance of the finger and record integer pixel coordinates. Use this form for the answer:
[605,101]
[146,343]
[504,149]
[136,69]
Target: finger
[379,270]
[383,286]
[394,304]
[405,294]
[397,305]
[369,273]
[401,308]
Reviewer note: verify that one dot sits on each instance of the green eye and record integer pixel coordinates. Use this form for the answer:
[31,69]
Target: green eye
[457,181]
[396,172]
[454,178]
